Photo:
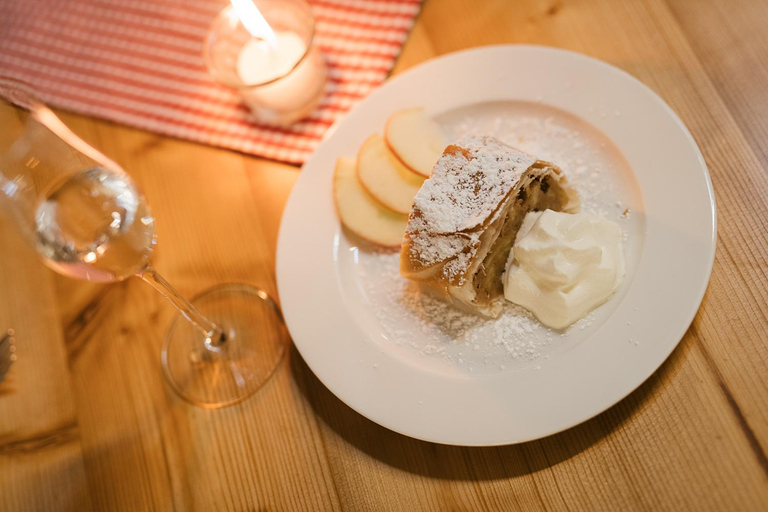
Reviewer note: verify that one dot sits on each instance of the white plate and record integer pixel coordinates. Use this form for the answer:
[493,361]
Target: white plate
[343,308]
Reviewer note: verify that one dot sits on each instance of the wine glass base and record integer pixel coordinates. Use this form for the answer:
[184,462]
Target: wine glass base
[218,376]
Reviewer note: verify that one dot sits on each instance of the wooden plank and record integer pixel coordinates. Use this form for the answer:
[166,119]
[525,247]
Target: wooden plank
[41,460]
[730,40]
[150,450]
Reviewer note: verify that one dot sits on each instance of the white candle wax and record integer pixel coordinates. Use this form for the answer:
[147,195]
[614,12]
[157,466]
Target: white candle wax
[258,62]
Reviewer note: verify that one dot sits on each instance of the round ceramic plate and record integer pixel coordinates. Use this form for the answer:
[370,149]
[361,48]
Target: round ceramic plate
[419,368]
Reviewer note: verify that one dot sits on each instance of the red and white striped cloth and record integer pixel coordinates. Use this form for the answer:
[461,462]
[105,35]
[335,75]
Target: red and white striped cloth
[139,62]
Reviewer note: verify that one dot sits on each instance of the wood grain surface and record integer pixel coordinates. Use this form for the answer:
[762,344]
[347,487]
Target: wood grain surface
[87,422]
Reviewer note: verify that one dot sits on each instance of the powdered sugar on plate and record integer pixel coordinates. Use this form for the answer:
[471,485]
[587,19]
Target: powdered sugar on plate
[428,332]
[413,319]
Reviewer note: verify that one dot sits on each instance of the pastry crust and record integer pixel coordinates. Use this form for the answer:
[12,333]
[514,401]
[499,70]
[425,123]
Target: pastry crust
[466,215]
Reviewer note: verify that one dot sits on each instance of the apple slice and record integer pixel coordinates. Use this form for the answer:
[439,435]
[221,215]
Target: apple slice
[385,177]
[360,213]
[415,139]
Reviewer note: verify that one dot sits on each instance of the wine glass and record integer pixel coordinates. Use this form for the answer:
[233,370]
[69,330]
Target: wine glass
[87,219]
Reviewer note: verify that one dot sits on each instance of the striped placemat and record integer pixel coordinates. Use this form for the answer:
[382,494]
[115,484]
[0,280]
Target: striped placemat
[139,63]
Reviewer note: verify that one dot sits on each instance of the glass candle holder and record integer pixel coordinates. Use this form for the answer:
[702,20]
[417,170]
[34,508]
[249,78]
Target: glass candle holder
[281,78]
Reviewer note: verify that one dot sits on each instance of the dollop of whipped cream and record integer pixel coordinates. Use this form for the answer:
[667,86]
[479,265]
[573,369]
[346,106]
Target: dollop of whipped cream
[562,265]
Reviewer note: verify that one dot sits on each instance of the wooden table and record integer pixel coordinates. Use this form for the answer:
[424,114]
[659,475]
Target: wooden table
[86,421]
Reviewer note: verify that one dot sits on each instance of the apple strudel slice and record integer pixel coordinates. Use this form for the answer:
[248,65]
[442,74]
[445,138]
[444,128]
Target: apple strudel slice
[466,215]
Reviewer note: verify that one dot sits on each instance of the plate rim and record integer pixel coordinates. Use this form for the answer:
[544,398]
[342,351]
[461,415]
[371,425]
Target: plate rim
[421,68]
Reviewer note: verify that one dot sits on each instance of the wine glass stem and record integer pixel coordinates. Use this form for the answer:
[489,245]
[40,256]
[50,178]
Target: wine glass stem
[214,335]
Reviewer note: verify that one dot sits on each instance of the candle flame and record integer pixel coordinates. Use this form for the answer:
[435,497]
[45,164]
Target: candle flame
[253,21]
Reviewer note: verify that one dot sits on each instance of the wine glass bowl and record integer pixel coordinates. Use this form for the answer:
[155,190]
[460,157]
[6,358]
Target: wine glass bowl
[87,219]
[95,225]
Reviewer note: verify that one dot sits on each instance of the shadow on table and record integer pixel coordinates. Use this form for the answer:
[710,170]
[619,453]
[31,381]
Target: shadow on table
[470,463]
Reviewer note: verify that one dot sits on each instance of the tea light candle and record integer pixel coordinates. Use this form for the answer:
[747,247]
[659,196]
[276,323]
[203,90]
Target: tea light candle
[281,78]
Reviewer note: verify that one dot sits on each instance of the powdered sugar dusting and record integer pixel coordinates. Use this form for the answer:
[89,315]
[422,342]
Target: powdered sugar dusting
[431,248]
[467,185]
